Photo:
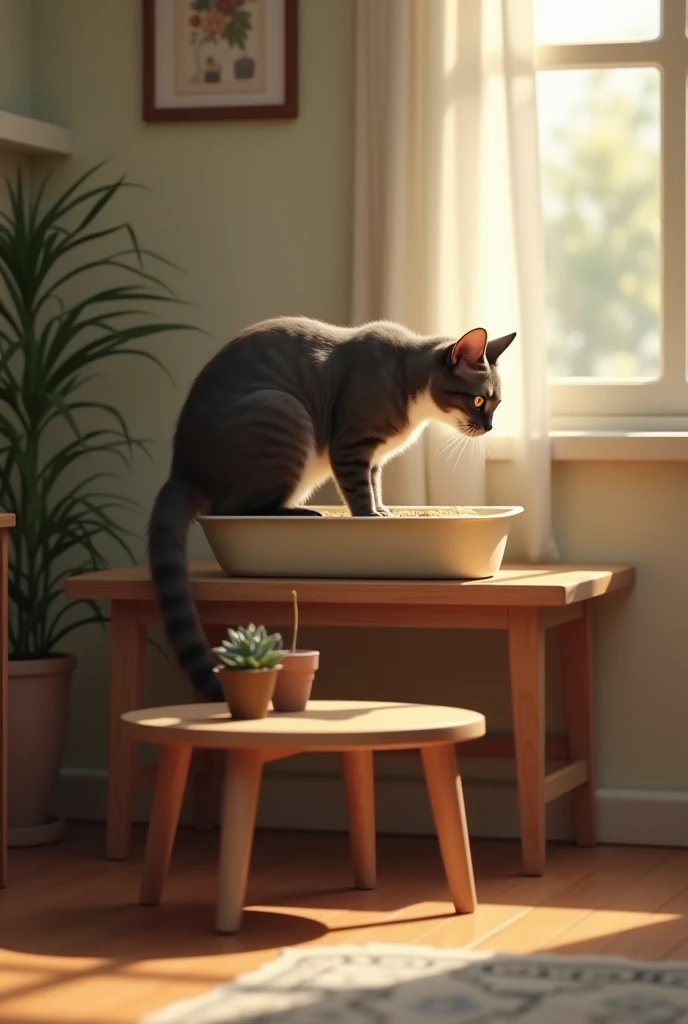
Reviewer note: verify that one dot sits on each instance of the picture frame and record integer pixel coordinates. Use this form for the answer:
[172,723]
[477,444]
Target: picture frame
[216,60]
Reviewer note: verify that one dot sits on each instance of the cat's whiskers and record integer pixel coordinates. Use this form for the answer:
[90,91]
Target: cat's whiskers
[455,447]
[450,441]
[448,447]
[458,451]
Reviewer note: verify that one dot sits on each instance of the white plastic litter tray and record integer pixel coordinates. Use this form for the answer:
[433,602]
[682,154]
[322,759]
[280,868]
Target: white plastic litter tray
[443,548]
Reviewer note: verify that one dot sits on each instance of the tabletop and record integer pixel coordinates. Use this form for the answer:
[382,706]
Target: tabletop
[324,725]
[540,586]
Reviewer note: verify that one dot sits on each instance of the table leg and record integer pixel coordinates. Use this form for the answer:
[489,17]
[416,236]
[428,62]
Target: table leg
[359,782]
[243,772]
[4,613]
[446,799]
[576,653]
[127,651]
[527,668]
[170,783]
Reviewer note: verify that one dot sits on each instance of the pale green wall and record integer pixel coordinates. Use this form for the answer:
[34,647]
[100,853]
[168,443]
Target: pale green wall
[15,67]
[260,217]
[15,73]
[15,56]
[610,512]
[258,214]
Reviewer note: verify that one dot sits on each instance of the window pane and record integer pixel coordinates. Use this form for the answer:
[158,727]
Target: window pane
[595,21]
[599,148]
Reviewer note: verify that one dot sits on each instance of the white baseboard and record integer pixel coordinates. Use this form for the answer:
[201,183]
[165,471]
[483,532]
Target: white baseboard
[643,817]
[310,802]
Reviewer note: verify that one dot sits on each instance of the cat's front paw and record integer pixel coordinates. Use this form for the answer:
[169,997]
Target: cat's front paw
[386,512]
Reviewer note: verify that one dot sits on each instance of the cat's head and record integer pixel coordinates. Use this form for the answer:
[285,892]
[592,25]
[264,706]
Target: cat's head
[465,383]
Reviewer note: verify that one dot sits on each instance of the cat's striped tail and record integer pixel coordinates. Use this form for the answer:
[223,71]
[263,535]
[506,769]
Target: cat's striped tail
[168,527]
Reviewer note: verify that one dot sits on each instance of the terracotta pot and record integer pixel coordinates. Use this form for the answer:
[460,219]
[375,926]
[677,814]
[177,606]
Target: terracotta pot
[248,691]
[295,681]
[38,708]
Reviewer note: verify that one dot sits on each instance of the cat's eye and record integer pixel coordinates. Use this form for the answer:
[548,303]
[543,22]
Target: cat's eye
[478,401]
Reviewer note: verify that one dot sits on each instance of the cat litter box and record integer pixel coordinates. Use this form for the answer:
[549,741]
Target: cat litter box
[448,546]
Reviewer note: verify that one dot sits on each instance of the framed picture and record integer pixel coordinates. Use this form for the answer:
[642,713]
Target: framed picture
[209,60]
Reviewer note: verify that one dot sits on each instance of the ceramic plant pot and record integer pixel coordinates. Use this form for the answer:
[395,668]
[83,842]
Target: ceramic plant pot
[38,709]
[248,692]
[295,681]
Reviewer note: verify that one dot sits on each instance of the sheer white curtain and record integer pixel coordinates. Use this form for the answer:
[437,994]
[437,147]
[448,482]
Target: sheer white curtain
[447,229]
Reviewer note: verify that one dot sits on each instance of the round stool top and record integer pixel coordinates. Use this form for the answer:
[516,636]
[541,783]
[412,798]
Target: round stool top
[324,725]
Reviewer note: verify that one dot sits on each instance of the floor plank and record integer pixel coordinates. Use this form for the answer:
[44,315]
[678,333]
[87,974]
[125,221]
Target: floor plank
[75,947]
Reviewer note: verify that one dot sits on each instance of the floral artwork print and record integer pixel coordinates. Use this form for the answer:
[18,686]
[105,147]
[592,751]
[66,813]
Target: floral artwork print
[220,19]
[220,60]
[221,44]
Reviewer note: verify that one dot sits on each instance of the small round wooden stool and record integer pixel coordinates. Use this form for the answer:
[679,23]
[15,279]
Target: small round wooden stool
[353,728]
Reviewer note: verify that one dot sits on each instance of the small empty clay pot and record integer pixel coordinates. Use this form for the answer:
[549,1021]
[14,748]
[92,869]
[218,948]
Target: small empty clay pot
[248,691]
[295,681]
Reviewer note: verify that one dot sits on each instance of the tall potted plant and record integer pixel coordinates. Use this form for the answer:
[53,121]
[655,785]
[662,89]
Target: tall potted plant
[75,286]
[295,681]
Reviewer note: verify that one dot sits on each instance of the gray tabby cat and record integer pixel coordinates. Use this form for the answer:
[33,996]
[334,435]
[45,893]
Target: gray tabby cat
[283,407]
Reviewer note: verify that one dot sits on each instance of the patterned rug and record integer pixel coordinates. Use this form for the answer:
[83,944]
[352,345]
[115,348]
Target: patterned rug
[391,984]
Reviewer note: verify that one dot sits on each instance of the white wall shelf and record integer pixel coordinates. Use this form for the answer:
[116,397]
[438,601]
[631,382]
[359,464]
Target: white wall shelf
[26,135]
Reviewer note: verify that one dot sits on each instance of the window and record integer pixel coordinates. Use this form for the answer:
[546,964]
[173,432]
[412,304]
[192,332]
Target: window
[612,122]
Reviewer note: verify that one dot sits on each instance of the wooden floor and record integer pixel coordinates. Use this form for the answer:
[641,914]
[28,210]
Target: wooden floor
[75,947]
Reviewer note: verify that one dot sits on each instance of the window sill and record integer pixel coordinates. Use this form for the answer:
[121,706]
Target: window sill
[606,446]
[27,135]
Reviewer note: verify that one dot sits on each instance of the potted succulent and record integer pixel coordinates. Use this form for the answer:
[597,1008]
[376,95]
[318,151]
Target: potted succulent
[295,681]
[74,288]
[249,663]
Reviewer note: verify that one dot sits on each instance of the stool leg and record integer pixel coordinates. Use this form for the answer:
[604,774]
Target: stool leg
[239,807]
[173,769]
[446,800]
[359,782]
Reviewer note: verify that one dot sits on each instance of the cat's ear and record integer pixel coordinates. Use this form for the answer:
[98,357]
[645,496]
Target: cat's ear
[471,347]
[498,346]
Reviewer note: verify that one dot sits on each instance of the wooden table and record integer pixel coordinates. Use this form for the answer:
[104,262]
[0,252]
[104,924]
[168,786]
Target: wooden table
[354,728]
[7,521]
[523,600]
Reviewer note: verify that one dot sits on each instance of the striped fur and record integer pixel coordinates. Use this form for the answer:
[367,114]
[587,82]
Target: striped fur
[172,513]
[287,405]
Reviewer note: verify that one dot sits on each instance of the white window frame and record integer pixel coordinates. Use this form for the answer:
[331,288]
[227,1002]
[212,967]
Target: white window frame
[662,404]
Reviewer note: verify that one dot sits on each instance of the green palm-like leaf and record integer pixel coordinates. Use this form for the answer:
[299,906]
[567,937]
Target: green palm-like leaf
[76,289]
